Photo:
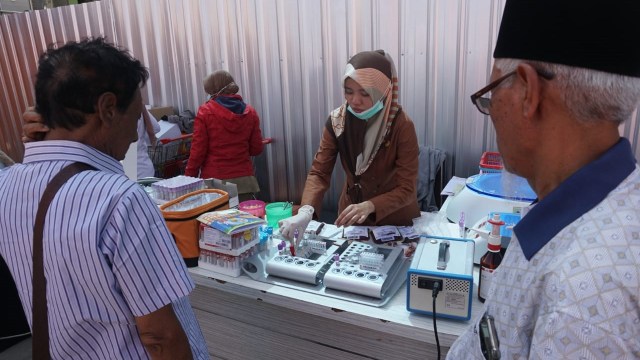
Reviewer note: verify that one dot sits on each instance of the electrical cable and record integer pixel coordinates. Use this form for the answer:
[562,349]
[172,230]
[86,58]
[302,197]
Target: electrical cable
[14,336]
[434,295]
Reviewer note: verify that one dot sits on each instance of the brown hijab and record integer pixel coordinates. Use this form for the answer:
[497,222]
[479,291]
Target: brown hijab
[376,73]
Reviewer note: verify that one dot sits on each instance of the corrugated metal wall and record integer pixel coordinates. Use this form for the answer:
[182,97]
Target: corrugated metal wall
[23,36]
[288,57]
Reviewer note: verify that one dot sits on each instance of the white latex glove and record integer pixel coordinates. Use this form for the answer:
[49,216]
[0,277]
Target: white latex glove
[298,221]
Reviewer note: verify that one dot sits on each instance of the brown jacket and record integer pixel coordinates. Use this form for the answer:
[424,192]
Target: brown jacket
[389,182]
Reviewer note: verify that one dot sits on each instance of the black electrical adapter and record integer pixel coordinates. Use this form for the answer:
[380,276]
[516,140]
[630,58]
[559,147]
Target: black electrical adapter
[427,283]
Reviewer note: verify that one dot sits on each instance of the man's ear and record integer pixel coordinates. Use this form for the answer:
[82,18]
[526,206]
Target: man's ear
[529,77]
[106,107]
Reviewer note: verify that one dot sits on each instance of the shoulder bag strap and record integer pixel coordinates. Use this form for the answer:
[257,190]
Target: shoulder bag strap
[40,322]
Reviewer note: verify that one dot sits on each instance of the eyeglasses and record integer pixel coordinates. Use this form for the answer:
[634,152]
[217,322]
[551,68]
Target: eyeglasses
[484,103]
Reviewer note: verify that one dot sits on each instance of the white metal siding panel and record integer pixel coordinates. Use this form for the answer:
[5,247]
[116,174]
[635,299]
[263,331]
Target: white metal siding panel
[288,57]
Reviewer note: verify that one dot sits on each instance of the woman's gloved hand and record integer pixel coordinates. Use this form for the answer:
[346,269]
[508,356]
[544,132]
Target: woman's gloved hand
[298,221]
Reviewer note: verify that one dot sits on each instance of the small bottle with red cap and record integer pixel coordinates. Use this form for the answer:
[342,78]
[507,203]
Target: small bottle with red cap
[491,259]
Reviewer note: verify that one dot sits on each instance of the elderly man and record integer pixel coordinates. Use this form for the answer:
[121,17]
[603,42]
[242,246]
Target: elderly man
[566,75]
[112,283]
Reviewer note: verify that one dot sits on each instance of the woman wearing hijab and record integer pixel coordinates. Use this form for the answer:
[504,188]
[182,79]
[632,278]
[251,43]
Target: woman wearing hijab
[226,134]
[378,149]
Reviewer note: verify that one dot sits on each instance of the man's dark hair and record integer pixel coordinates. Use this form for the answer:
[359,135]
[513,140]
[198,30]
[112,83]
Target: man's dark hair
[72,77]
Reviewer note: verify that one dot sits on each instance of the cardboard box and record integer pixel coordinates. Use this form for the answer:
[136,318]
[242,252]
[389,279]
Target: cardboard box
[159,111]
[230,188]
[216,240]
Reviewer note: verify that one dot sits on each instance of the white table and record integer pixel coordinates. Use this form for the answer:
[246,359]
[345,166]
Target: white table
[246,319]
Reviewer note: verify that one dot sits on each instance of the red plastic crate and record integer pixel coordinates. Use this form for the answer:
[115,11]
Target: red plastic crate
[490,162]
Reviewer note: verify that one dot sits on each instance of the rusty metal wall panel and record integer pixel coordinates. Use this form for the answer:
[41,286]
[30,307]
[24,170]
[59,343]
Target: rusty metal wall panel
[23,37]
[288,57]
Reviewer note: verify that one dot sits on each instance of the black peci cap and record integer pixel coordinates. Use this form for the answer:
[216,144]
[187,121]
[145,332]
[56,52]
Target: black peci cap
[599,35]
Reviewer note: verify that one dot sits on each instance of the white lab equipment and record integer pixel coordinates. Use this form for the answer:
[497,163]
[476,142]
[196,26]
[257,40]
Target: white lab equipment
[365,269]
[492,192]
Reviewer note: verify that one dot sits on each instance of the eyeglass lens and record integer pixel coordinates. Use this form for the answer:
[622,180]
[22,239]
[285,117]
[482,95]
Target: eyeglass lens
[483,104]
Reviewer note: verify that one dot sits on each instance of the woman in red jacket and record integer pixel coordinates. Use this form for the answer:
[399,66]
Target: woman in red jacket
[226,135]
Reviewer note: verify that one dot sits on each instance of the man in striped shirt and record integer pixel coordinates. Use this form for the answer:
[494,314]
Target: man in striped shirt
[116,286]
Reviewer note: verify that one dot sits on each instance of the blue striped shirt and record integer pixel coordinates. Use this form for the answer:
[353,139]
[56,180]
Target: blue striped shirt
[108,255]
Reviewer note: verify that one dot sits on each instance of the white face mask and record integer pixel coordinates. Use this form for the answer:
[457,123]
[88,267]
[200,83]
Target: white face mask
[367,114]
[221,90]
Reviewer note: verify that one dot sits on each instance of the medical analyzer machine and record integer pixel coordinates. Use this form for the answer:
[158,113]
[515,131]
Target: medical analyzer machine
[449,264]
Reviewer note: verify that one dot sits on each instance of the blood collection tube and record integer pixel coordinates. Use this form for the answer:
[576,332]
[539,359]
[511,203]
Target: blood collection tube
[292,244]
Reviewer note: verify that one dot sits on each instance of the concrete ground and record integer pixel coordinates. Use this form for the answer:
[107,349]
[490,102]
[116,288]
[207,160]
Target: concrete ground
[19,351]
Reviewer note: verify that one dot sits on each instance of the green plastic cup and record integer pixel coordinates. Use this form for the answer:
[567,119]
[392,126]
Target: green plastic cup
[277,211]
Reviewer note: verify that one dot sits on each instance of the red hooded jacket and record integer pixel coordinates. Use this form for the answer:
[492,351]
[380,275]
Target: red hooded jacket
[224,141]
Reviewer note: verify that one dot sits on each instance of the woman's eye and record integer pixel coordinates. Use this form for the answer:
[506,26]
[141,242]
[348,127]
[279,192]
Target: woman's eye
[348,91]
